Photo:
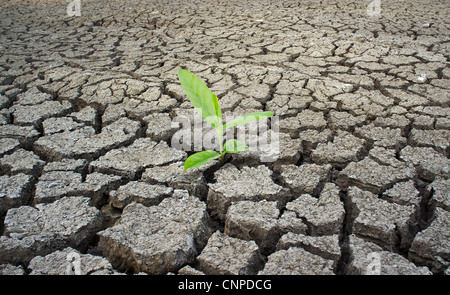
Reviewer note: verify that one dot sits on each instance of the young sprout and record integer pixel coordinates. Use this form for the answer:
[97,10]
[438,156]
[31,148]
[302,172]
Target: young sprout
[207,104]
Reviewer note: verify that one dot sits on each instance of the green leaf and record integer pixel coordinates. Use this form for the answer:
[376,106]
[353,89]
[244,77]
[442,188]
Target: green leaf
[234,146]
[247,119]
[200,158]
[203,99]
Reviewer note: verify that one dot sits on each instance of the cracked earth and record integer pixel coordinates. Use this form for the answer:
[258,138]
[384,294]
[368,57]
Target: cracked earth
[361,184]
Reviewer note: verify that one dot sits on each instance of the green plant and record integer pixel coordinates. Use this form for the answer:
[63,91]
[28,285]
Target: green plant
[207,104]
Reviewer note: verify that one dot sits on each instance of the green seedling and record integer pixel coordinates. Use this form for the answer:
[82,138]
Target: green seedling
[207,104]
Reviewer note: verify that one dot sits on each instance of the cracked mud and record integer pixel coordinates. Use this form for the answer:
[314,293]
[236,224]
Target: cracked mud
[87,105]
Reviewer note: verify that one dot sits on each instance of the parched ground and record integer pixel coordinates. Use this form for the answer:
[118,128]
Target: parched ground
[89,176]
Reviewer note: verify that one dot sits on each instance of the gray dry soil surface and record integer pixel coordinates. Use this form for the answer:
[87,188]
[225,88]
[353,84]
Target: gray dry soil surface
[87,107]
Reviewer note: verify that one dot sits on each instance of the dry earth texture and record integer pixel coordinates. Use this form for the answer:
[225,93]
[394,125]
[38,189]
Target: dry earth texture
[361,184]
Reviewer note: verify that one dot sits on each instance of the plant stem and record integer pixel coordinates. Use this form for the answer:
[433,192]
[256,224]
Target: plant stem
[219,133]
